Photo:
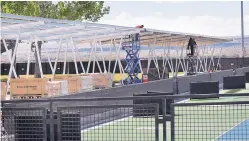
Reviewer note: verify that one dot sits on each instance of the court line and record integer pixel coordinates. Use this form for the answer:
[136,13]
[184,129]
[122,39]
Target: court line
[104,124]
[229,129]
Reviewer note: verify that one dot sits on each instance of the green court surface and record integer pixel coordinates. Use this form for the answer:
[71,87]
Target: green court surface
[128,129]
[192,123]
[213,122]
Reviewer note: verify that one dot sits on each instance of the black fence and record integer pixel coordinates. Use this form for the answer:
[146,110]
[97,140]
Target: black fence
[210,121]
[109,119]
[109,123]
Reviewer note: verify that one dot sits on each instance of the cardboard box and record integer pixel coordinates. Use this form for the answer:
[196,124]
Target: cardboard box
[28,86]
[56,88]
[74,83]
[3,90]
[102,80]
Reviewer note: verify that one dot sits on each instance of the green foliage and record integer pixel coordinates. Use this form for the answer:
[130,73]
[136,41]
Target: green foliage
[70,10]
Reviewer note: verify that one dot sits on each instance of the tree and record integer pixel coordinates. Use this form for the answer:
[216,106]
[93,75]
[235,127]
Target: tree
[70,10]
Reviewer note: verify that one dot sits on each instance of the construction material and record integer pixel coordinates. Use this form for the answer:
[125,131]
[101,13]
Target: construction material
[86,83]
[56,88]
[28,86]
[74,83]
[3,90]
[101,80]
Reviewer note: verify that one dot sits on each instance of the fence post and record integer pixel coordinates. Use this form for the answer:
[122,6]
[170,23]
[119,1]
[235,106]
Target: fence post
[157,122]
[164,119]
[172,129]
[51,123]
[44,112]
[59,124]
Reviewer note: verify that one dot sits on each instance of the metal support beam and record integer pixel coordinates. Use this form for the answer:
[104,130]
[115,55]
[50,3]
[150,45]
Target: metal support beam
[9,56]
[29,53]
[37,54]
[12,60]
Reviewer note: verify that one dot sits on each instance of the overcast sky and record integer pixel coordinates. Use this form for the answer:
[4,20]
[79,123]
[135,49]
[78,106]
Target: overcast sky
[208,18]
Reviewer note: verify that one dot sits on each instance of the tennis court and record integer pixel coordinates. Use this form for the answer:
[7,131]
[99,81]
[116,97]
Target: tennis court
[211,122]
[238,132]
[227,122]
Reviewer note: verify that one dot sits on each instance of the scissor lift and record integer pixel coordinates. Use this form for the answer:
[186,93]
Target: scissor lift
[131,45]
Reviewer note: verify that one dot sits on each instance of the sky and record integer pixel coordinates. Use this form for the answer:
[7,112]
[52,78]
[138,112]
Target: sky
[212,18]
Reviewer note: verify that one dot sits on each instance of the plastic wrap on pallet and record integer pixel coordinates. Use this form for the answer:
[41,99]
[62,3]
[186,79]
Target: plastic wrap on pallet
[3,90]
[56,88]
[100,80]
[86,83]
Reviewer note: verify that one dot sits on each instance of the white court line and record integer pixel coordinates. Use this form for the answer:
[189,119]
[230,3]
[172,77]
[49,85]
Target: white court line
[229,130]
[104,124]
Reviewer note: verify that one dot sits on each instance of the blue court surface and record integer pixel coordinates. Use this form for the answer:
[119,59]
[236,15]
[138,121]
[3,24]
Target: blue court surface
[239,132]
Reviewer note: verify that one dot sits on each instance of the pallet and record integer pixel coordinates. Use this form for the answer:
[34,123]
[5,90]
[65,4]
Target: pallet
[35,96]
[99,88]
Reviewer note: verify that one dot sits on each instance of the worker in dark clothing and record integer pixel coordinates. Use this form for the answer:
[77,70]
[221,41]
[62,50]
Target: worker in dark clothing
[191,45]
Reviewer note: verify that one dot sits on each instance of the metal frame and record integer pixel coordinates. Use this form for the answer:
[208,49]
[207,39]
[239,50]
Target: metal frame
[75,32]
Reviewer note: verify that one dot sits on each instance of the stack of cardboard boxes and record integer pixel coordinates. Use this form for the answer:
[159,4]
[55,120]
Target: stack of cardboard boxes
[60,85]
[74,83]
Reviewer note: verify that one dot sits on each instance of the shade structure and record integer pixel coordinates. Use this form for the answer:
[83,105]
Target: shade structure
[54,30]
